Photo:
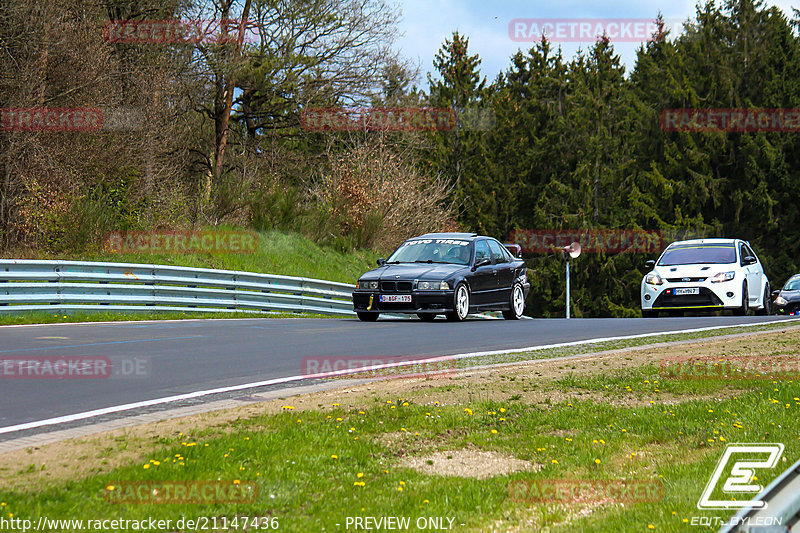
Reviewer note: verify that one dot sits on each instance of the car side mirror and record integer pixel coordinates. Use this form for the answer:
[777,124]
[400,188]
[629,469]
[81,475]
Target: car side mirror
[381,262]
[481,263]
[650,264]
[775,294]
[749,260]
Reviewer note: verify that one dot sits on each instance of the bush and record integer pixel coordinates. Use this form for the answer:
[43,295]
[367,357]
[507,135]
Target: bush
[371,196]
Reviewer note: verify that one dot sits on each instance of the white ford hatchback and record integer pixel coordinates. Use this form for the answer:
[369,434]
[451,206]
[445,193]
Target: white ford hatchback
[706,274]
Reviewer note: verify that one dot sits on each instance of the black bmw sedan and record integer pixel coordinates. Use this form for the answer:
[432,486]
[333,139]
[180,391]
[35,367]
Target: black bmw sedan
[453,274]
[787,300]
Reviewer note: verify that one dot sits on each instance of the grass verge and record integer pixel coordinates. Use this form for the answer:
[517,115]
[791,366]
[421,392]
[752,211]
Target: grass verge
[440,447]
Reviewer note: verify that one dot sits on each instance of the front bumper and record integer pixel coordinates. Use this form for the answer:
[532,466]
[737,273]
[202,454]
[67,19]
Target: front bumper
[421,302]
[790,308]
[725,295]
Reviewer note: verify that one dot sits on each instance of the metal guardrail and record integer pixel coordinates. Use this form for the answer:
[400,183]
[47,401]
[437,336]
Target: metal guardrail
[33,285]
[782,514]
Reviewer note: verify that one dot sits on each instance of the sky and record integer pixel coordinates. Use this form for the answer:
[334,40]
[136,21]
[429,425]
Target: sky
[427,23]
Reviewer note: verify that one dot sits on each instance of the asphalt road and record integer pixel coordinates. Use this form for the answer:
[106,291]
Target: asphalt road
[161,359]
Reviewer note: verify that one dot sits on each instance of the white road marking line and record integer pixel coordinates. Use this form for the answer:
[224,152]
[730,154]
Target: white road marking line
[277,381]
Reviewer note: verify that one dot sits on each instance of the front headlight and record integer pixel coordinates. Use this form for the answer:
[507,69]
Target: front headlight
[780,300]
[433,286]
[368,285]
[653,279]
[723,276]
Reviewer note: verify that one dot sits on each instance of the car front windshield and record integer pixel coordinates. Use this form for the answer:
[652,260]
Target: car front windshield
[792,285]
[453,251]
[698,254]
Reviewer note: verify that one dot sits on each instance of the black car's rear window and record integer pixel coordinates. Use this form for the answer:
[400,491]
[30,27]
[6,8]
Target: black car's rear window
[792,285]
[455,251]
[696,254]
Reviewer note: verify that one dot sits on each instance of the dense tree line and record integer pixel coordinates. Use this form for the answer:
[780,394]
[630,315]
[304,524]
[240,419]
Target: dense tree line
[578,144]
[211,132]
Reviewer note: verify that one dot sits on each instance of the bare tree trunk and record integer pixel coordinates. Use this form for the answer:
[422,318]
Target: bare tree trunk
[223,100]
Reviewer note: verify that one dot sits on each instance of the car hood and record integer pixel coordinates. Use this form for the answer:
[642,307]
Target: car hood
[791,296]
[410,271]
[692,271]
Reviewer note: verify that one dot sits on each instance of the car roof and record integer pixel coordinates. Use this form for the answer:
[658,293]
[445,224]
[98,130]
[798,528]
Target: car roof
[465,236]
[706,241]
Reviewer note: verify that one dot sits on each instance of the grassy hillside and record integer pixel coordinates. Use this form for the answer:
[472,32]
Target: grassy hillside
[288,254]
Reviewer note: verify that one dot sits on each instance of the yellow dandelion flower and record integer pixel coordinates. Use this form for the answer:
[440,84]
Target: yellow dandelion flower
[494,432]
[597,461]
[334,456]
[554,461]
[360,474]
[109,488]
[146,466]
[400,489]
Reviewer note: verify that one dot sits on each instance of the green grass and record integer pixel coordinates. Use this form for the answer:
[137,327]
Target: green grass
[307,489]
[590,348]
[42,317]
[286,254]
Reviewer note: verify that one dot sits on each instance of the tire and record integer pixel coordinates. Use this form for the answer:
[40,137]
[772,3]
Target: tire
[517,303]
[426,317]
[460,304]
[745,307]
[647,313]
[368,317]
[766,303]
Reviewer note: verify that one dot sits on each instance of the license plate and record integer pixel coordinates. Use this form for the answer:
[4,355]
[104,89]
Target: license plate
[396,298]
[691,290]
